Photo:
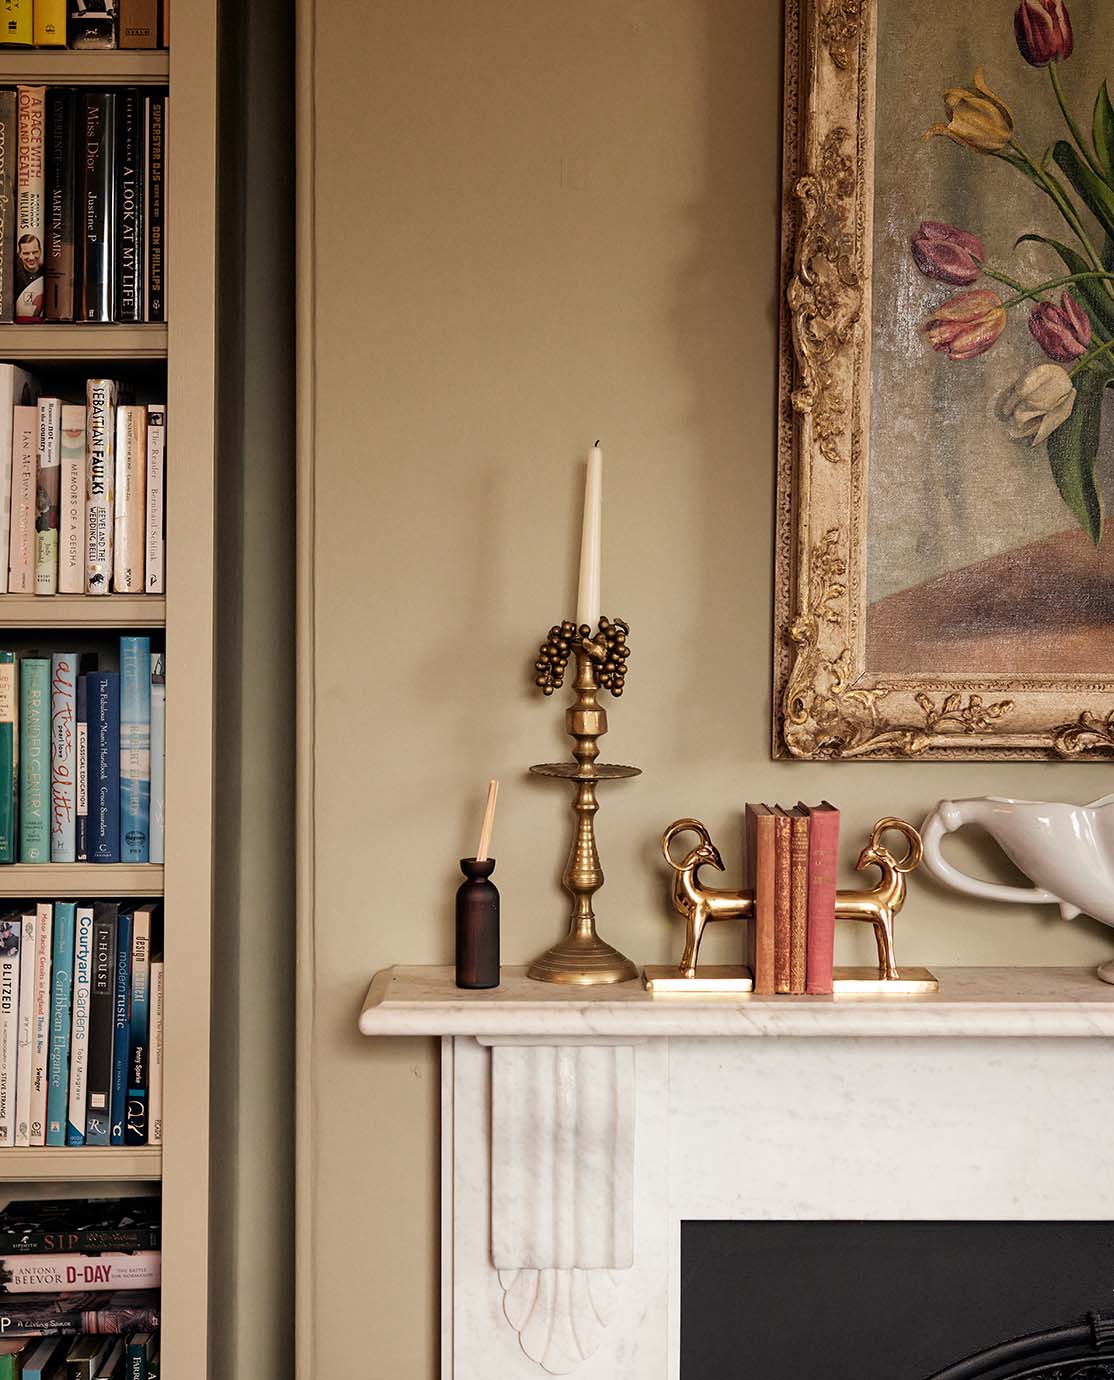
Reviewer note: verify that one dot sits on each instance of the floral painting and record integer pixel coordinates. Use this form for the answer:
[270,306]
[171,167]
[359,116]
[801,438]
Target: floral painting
[992,369]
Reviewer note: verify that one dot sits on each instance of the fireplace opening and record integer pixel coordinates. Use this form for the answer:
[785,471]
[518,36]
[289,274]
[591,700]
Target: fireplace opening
[897,1300]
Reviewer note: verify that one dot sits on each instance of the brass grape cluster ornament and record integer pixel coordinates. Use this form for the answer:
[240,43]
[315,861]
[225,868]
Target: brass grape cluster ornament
[562,640]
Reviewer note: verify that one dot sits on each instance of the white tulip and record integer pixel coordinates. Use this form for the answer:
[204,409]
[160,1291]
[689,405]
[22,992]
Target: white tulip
[1038,403]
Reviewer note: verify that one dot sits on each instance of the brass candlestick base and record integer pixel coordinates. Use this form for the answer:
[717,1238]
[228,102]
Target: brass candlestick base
[582,958]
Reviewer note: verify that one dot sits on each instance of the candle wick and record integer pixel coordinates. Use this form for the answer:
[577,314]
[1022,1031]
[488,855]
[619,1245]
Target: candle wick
[597,440]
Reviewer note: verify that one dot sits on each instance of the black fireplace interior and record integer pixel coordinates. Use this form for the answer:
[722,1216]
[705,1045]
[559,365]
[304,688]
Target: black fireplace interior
[897,1300]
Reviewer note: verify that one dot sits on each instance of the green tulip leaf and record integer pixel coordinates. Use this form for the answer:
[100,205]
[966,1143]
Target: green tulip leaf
[1091,292]
[1093,190]
[1072,450]
[1102,131]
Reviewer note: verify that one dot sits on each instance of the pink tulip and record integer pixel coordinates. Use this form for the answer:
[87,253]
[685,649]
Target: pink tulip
[1043,31]
[1063,332]
[944,252]
[967,325]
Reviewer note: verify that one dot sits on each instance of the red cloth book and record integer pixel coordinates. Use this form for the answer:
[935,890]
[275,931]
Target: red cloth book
[823,862]
[798,898]
[782,888]
[761,879]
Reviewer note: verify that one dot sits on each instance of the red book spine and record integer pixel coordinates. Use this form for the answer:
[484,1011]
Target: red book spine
[782,883]
[823,860]
[761,879]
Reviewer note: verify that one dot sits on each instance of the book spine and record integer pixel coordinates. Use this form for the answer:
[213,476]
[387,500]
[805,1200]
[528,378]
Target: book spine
[104,766]
[135,1126]
[72,1274]
[63,756]
[9,1025]
[112,1366]
[823,862]
[154,548]
[92,24]
[61,200]
[34,760]
[100,476]
[121,1027]
[136,1357]
[9,144]
[129,206]
[154,1089]
[79,1025]
[21,539]
[47,495]
[156,207]
[81,772]
[19,31]
[102,1022]
[30,198]
[135,749]
[24,1029]
[158,757]
[131,499]
[71,520]
[139,24]
[16,389]
[33,1317]
[97,198]
[782,879]
[9,757]
[40,1035]
[61,994]
[50,23]
[26,1239]
[798,902]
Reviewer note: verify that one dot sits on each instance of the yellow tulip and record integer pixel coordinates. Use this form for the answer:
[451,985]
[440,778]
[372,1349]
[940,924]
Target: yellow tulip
[977,118]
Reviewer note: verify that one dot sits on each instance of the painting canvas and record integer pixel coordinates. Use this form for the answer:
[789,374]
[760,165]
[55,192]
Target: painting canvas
[946,577]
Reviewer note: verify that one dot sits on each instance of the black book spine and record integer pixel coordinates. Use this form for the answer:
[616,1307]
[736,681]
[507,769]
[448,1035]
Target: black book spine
[61,194]
[80,1241]
[130,258]
[155,204]
[9,137]
[98,168]
[102,1020]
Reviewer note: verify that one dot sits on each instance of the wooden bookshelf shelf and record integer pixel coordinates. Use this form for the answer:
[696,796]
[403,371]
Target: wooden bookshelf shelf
[80,344]
[78,880]
[65,67]
[82,611]
[81,1165]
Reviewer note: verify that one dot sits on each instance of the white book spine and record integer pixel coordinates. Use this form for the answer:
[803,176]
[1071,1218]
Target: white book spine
[68,1274]
[100,478]
[47,495]
[16,386]
[21,540]
[63,756]
[24,1030]
[40,1036]
[131,499]
[79,1026]
[71,520]
[157,842]
[9,1026]
[154,1086]
[30,203]
[154,552]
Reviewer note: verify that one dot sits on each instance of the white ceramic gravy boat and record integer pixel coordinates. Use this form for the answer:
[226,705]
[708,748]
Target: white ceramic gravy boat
[1067,850]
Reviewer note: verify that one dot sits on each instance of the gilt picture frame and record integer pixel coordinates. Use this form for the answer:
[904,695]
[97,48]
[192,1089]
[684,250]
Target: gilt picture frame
[943,587]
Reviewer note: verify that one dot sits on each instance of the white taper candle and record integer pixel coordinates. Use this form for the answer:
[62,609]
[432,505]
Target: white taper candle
[588,590]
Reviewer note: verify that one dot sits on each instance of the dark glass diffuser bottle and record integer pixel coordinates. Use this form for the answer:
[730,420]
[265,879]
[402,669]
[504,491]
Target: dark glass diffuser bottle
[477,926]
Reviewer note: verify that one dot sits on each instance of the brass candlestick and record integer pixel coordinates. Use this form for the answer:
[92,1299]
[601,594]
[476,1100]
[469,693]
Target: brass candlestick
[582,958]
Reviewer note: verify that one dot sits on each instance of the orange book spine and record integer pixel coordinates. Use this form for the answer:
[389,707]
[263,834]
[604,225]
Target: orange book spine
[782,889]
[823,862]
[798,901]
[761,882]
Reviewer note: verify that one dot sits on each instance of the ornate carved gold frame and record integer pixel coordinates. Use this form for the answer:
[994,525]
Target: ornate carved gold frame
[827,702]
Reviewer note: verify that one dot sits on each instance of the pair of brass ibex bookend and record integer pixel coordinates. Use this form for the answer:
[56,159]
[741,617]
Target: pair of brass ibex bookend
[700,904]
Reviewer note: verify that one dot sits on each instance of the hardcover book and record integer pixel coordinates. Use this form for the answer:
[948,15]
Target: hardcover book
[62,244]
[47,495]
[21,541]
[823,862]
[24,1027]
[17,388]
[156,202]
[100,477]
[71,518]
[9,757]
[131,499]
[30,199]
[34,760]
[102,1023]
[121,1031]
[9,142]
[40,1035]
[154,556]
[92,24]
[73,1274]
[50,23]
[103,706]
[111,1366]
[798,899]
[68,1315]
[36,1226]
[135,1128]
[84,1357]
[135,749]
[63,757]
[79,1025]
[131,262]
[154,1081]
[761,879]
[783,874]
[158,756]
[81,765]
[40,1357]
[61,992]
[97,204]
[137,1355]
[139,24]
[19,30]
[9,1024]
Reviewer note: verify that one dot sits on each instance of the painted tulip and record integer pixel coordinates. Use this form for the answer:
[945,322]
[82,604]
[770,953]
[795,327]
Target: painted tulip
[1063,332]
[942,251]
[1043,30]
[977,118]
[967,325]
[1038,403]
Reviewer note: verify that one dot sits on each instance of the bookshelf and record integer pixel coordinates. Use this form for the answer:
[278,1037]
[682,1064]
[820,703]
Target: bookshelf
[187,349]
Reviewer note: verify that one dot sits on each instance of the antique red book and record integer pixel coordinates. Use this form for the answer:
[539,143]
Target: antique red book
[782,884]
[761,879]
[823,863]
[798,898]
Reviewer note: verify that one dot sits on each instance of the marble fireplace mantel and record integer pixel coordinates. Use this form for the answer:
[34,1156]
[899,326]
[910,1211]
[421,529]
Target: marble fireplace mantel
[581,1127]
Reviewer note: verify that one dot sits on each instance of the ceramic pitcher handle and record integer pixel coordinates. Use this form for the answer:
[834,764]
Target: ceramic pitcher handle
[948,816]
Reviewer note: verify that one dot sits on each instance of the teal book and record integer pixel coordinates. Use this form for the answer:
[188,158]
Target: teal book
[58,1050]
[135,749]
[34,760]
[11,1366]
[9,757]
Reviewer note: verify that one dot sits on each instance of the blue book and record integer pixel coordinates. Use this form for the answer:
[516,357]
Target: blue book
[135,1122]
[58,1054]
[81,768]
[158,755]
[103,706]
[63,755]
[34,760]
[121,1032]
[77,1108]
[135,749]
[39,1355]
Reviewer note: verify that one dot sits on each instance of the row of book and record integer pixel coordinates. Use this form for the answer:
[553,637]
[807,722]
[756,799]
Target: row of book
[83,757]
[82,204]
[86,24]
[81,1026]
[792,856]
[85,1357]
[82,490]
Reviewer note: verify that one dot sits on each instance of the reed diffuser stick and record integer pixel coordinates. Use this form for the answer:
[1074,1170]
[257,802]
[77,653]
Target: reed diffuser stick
[489,820]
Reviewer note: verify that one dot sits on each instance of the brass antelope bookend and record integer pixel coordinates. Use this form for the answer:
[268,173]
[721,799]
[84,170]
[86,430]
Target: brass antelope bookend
[700,904]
